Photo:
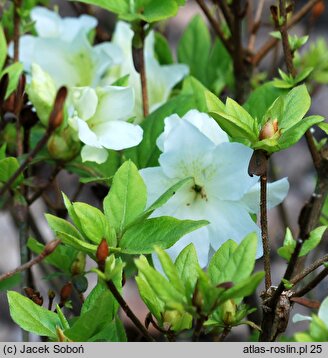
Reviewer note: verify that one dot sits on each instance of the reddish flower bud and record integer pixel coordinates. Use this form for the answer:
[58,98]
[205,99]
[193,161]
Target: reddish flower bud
[269,129]
[66,292]
[51,247]
[318,9]
[102,252]
[57,114]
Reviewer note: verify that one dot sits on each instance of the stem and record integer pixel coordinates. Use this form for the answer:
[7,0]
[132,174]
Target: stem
[256,25]
[49,248]
[17,5]
[264,231]
[31,155]
[308,270]
[128,311]
[215,25]
[143,76]
[265,49]
[224,334]
[312,284]
[198,328]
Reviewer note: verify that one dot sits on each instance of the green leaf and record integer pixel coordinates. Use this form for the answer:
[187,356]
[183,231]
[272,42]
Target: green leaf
[194,47]
[261,99]
[59,225]
[163,231]
[244,288]
[170,270]
[237,262]
[296,103]
[111,332]
[160,285]
[150,298]
[127,197]
[31,317]
[8,167]
[14,71]
[163,50]
[165,197]
[93,320]
[3,48]
[288,246]
[116,6]
[187,266]
[313,241]
[70,209]
[77,243]
[93,298]
[62,258]
[92,220]
[11,282]
[219,261]
[324,127]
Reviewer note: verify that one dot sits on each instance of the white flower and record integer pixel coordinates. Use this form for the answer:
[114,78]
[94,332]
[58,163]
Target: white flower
[160,79]
[222,192]
[63,50]
[100,117]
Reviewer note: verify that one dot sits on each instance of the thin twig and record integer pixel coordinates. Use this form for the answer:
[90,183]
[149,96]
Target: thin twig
[264,231]
[308,270]
[269,44]
[226,12]
[48,249]
[198,328]
[17,5]
[215,25]
[125,307]
[256,25]
[312,284]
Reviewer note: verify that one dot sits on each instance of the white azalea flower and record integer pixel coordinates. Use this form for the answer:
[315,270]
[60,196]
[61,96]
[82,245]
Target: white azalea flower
[99,116]
[222,192]
[63,50]
[160,79]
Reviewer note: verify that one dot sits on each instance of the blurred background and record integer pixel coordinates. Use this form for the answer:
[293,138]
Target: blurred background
[294,163]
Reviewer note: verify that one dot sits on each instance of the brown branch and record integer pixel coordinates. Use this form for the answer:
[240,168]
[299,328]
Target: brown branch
[312,284]
[312,148]
[256,25]
[226,12]
[215,25]
[309,269]
[264,231]
[48,249]
[125,307]
[144,86]
[269,44]
[17,5]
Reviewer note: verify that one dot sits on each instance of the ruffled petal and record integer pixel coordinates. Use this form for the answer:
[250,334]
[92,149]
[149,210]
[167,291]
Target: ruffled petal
[118,135]
[230,179]
[92,154]
[86,135]
[115,103]
[276,193]
[230,220]
[85,101]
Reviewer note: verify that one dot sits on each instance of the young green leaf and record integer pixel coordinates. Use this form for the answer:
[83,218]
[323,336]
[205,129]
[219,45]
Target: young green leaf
[31,317]
[127,197]
[163,231]
[3,48]
[8,167]
[194,47]
[187,267]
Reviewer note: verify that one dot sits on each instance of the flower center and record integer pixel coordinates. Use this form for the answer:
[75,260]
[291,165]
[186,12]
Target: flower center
[199,190]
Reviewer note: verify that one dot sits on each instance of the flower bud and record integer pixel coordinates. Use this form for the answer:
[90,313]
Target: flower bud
[102,254]
[51,247]
[78,264]
[64,145]
[228,312]
[318,9]
[57,115]
[66,292]
[269,129]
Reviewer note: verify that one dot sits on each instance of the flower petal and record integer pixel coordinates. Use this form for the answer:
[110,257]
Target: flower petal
[85,101]
[115,103]
[118,135]
[156,182]
[92,154]
[230,180]
[207,125]
[194,151]
[47,23]
[277,192]
[230,220]
[86,135]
